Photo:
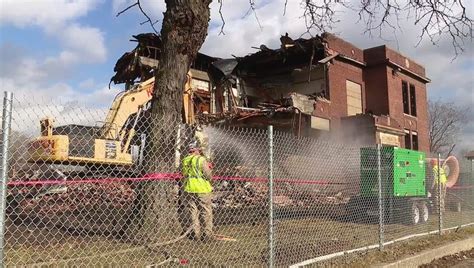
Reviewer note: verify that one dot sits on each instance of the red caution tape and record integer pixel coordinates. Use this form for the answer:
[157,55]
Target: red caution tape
[164,177]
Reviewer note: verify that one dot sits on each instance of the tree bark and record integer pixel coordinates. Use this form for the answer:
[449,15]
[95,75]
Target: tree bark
[183,32]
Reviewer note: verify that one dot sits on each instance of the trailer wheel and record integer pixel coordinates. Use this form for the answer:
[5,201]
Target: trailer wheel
[414,214]
[424,212]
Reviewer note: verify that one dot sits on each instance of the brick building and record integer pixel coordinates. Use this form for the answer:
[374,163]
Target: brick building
[368,96]
[322,87]
[393,87]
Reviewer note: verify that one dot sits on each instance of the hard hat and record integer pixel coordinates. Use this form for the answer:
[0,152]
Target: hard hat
[193,146]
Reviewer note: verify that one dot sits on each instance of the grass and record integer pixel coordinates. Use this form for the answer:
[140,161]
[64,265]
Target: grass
[396,251]
[295,240]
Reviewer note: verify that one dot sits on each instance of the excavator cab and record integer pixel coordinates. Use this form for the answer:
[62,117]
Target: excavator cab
[78,145]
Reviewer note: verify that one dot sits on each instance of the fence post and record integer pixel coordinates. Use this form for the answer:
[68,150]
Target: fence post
[270,196]
[438,180]
[6,124]
[380,197]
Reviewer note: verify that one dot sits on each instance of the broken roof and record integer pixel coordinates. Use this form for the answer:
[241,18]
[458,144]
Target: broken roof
[290,54]
[140,62]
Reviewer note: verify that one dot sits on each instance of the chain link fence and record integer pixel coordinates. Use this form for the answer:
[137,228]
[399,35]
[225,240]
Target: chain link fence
[83,192]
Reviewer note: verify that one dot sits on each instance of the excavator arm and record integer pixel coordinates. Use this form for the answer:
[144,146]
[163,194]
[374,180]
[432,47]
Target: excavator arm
[125,104]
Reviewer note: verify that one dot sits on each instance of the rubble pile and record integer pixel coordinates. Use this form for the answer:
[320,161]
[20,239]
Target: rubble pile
[240,194]
[317,198]
[80,198]
[244,187]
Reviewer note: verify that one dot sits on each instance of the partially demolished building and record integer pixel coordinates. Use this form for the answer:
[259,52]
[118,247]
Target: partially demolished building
[322,87]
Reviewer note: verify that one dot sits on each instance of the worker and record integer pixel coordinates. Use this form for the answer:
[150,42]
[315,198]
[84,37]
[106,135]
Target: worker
[439,176]
[197,193]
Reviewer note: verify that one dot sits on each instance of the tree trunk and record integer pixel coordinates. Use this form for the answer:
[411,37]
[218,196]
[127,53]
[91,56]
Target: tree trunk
[183,32]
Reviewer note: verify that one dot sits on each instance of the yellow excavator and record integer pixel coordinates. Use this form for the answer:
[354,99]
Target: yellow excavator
[83,145]
[110,144]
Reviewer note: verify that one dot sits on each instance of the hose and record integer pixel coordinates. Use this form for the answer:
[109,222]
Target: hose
[147,247]
[172,241]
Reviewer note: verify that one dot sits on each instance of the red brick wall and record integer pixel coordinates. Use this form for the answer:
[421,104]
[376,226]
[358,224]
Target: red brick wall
[418,123]
[375,55]
[343,47]
[376,90]
[400,60]
[322,109]
[379,54]
[381,90]
[338,73]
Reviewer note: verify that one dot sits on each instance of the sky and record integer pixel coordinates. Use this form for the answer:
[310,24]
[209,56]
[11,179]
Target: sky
[60,54]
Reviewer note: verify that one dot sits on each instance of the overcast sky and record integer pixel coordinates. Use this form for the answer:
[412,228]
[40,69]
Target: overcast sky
[69,48]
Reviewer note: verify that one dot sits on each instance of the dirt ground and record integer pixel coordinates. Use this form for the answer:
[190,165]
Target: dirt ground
[397,251]
[458,259]
[296,240]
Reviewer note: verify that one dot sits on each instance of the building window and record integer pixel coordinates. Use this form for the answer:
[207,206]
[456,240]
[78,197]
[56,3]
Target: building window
[406,106]
[412,100]
[407,139]
[411,139]
[414,141]
[409,99]
[354,98]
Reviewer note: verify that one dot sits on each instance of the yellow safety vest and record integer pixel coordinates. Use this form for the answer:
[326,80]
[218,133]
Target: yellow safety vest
[441,176]
[194,181]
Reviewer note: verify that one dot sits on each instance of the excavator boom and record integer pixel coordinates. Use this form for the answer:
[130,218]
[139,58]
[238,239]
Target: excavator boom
[124,105]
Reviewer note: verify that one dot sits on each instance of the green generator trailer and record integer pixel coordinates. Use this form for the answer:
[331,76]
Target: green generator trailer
[404,195]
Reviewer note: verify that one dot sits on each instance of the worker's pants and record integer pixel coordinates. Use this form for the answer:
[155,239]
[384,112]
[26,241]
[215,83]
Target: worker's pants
[199,210]
[440,198]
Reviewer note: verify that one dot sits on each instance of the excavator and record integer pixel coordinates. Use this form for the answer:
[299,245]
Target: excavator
[110,144]
[90,145]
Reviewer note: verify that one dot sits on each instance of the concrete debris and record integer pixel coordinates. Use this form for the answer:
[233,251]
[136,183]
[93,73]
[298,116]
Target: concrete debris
[77,198]
[239,194]
[245,194]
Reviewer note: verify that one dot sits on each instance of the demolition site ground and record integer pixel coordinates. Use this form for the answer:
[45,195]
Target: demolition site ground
[296,239]
[407,248]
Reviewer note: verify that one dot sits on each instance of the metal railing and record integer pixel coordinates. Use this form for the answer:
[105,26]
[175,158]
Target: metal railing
[277,200]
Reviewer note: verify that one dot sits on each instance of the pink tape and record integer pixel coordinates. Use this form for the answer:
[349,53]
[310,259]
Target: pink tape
[163,177]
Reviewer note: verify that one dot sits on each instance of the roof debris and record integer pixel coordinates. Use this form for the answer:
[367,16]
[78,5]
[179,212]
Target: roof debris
[256,87]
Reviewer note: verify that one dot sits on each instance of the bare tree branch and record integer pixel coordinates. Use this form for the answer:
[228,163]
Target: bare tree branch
[254,10]
[451,150]
[222,17]
[319,15]
[148,19]
[446,120]
[440,18]
[436,18]
[127,8]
